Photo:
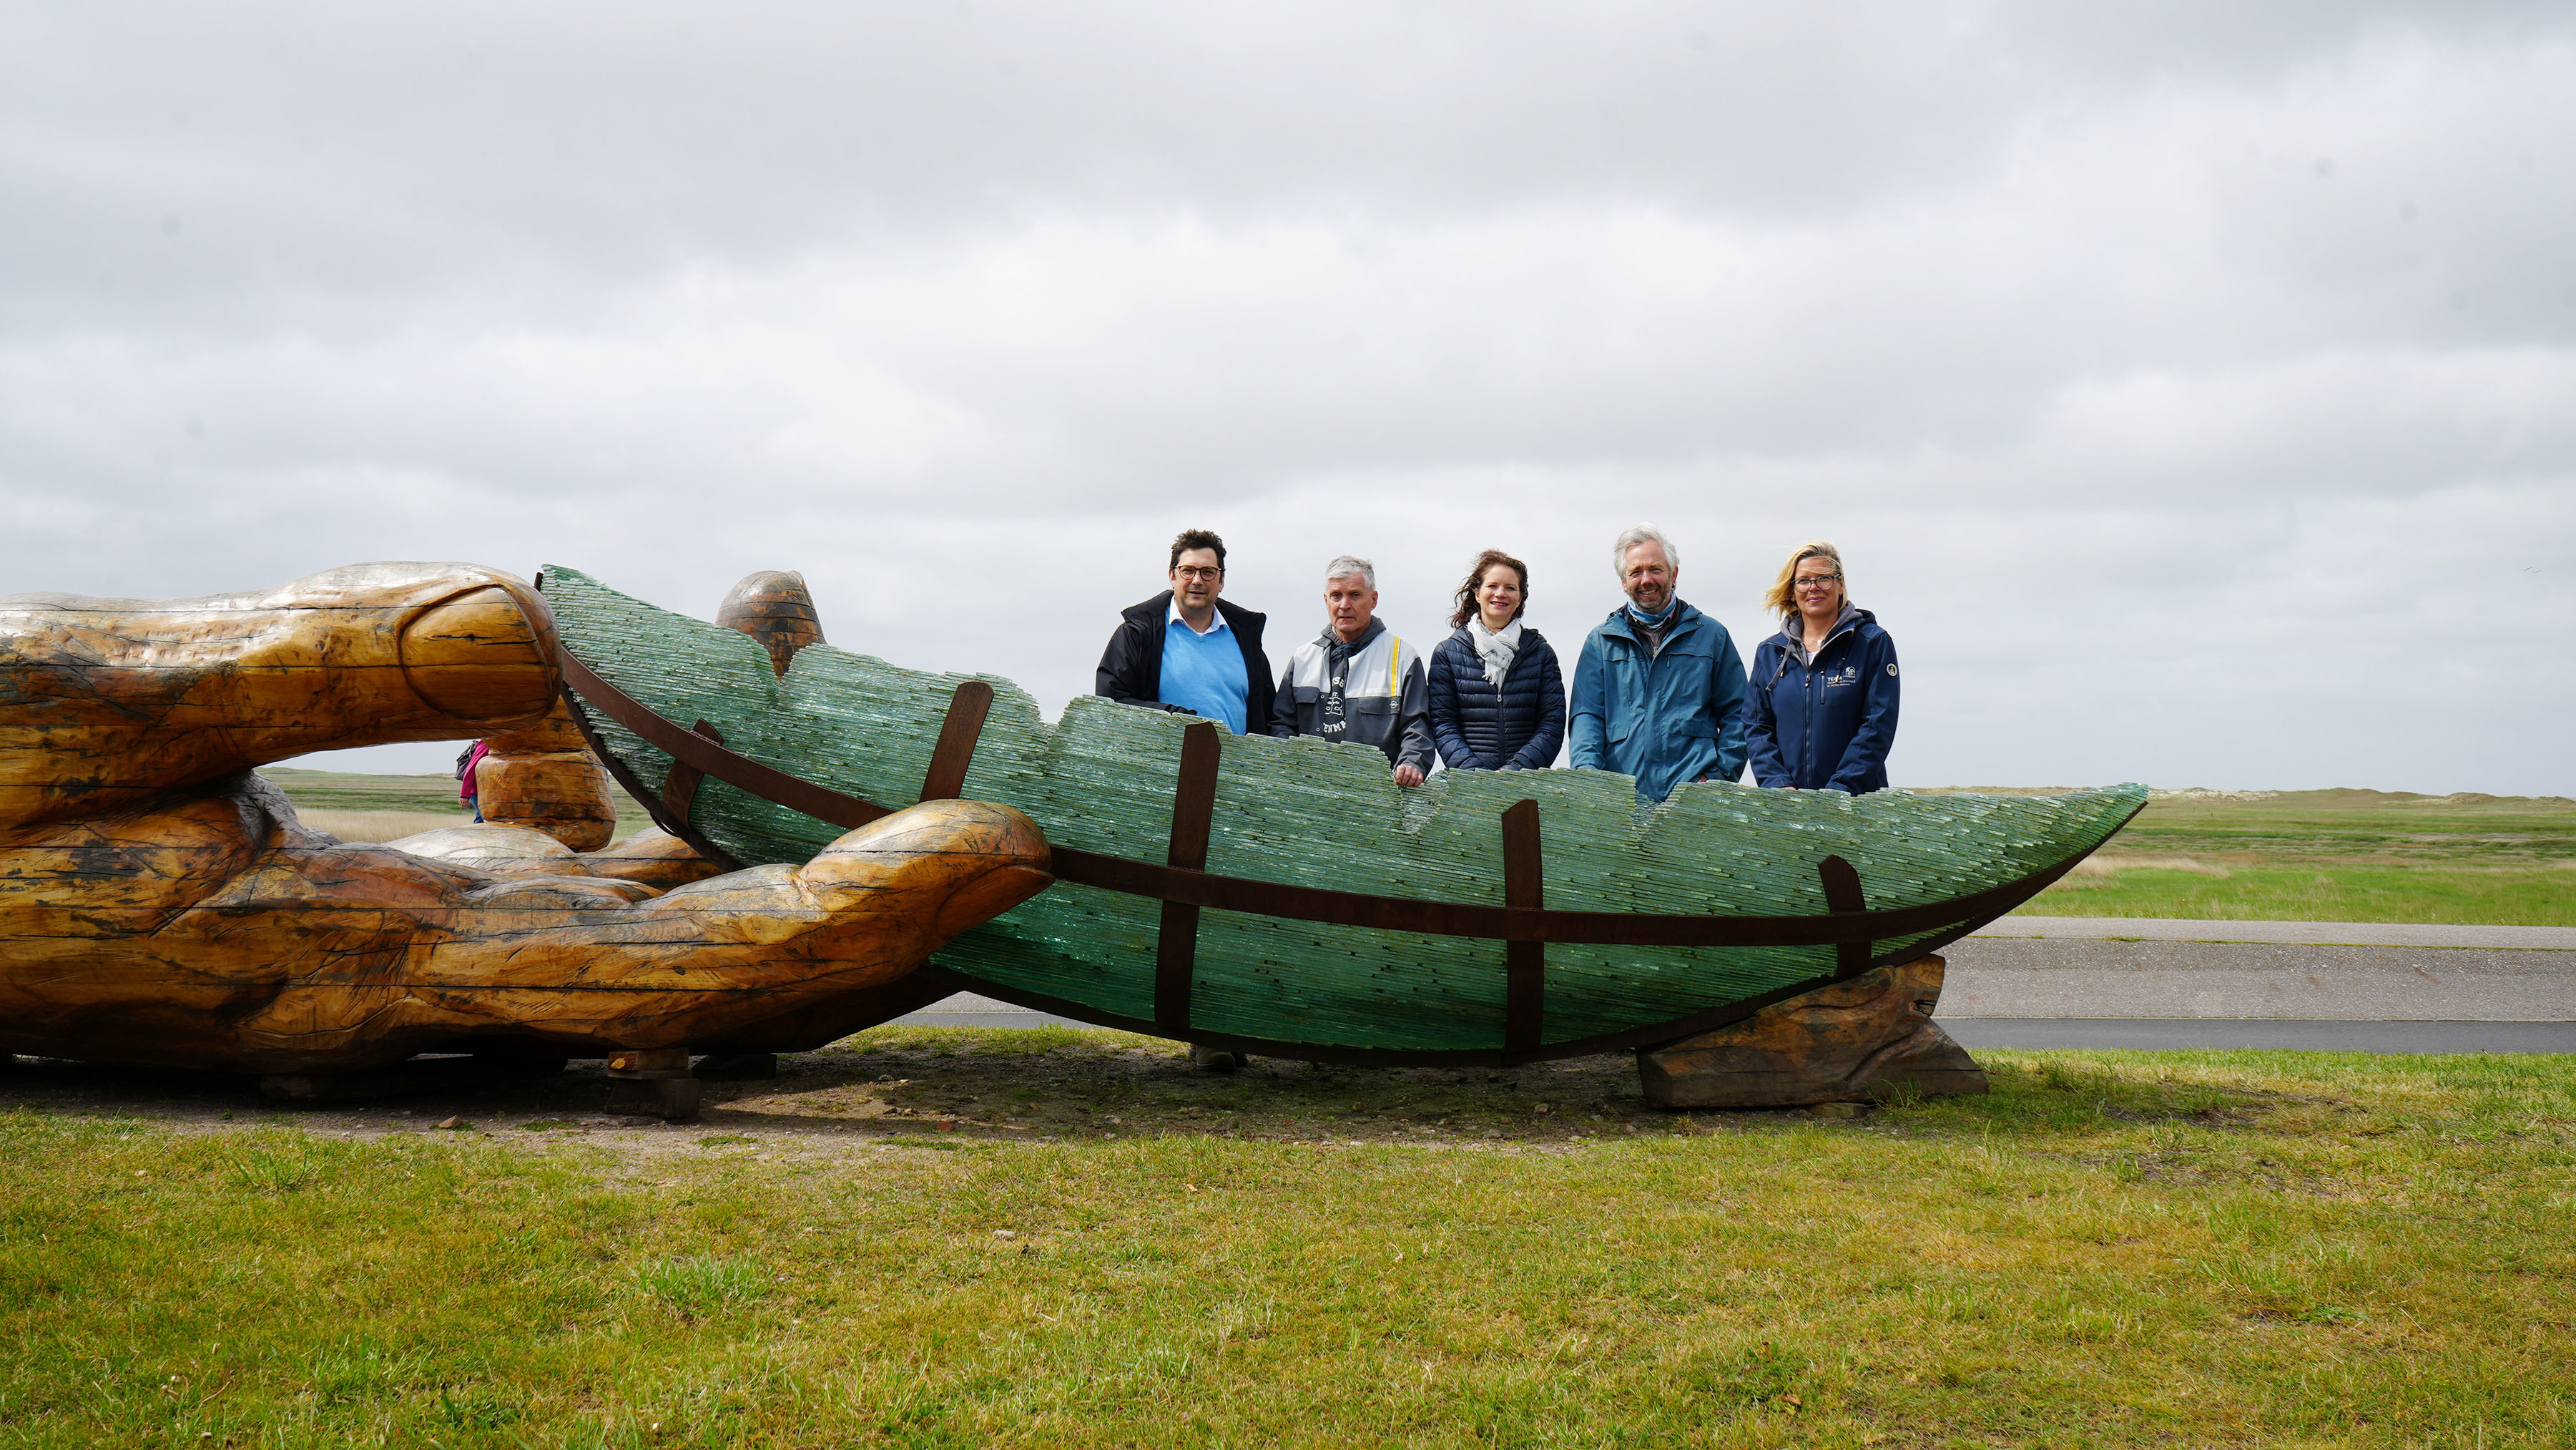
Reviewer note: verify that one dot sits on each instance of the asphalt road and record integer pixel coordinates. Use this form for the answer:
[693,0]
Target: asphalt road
[2156,985]
[2172,1034]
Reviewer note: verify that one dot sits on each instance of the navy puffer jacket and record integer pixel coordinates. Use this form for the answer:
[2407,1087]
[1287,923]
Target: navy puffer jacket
[1476,727]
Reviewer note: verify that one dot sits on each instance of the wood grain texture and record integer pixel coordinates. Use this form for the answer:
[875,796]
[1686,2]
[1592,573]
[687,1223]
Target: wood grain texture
[1857,1039]
[161,904]
[544,777]
[109,703]
[773,607]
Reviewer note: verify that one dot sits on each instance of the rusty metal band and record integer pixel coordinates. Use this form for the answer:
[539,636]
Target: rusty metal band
[1308,903]
[1843,898]
[1524,962]
[959,730]
[1176,941]
[680,787]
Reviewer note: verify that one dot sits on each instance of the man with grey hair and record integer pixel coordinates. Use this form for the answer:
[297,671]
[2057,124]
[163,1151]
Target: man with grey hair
[1357,682]
[1659,689]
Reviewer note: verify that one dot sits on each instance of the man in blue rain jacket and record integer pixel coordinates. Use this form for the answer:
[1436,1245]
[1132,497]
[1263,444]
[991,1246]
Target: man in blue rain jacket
[1659,689]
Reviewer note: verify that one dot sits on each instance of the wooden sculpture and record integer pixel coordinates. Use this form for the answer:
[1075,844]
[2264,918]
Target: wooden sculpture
[1281,897]
[544,777]
[1859,1039]
[160,903]
[774,608]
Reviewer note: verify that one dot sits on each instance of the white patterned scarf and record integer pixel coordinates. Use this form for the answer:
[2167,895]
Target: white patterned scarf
[1496,650]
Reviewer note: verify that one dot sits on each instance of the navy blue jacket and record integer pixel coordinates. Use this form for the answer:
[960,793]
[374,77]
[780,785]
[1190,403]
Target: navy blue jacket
[1477,727]
[1825,725]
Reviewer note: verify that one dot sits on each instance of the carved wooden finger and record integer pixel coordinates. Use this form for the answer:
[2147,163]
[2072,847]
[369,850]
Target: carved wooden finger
[114,703]
[774,608]
[544,777]
[219,933]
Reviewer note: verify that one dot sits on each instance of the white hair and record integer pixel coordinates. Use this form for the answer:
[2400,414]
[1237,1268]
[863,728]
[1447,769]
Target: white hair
[1351,564]
[1635,534]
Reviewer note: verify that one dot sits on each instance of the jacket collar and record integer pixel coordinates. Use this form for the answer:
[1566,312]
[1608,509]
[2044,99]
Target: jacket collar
[1793,631]
[1622,627]
[1152,613]
[1331,641]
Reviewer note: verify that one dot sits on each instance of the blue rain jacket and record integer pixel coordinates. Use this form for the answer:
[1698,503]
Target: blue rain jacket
[1666,718]
[1826,723]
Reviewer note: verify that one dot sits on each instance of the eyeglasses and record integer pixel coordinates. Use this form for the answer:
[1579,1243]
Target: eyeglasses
[1197,572]
[1818,581]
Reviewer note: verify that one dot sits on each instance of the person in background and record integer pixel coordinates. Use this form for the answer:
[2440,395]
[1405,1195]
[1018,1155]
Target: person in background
[468,793]
[1822,712]
[1357,682]
[1187,651]
[1497,698]
[1659,688]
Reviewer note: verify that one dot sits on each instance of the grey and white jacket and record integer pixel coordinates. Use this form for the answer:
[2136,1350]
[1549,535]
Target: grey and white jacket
[1371,691]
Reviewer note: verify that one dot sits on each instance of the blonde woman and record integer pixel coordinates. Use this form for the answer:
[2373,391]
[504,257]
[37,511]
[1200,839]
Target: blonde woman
[1820,710]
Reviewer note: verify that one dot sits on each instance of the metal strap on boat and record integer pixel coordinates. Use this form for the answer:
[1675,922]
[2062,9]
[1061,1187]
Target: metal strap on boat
[1843,898]
[680,787]
[1308,903]
[959,730]
[1176,944]
[1524,962]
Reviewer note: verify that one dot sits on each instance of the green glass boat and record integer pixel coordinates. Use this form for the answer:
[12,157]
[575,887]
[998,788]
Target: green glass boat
[1284,896]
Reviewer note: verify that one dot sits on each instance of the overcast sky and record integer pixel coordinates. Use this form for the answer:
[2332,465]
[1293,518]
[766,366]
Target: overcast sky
[2191,387]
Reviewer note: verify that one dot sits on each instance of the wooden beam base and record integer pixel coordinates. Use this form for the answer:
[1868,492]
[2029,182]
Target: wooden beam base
[653,1082]
[1854,1041]
[406,1079]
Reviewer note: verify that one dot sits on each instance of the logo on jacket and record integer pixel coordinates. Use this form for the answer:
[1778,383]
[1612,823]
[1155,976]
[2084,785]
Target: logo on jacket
[1847,675]
[1891,669]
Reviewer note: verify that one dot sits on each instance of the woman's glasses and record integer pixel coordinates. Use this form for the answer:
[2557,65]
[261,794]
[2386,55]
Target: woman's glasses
[1818,581]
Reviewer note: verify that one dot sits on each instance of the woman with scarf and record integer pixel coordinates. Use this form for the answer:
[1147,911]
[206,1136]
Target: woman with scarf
[1497,698]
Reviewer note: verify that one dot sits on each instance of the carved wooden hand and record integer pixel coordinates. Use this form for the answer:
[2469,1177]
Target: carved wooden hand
[160,904]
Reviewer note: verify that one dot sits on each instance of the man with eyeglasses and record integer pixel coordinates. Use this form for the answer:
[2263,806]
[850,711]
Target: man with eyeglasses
[1187,651]
[1823,709]
[1659,688]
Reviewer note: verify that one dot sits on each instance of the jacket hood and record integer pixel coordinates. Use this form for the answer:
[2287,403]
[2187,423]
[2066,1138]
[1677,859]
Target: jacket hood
[1792,625]
[1793,633]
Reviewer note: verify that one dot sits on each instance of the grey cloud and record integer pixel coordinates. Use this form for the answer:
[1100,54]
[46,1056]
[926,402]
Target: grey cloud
[2162,367]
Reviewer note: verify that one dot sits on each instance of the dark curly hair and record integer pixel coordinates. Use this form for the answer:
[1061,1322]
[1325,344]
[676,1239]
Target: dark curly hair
[1197,539]
[1467,592]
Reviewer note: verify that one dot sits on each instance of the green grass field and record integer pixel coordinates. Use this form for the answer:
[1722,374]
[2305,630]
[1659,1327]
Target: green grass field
[357,807]
[945,1238]
[2334,855]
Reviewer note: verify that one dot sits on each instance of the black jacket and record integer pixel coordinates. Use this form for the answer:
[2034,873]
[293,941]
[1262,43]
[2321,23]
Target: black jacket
[1131,669]
[1479,728]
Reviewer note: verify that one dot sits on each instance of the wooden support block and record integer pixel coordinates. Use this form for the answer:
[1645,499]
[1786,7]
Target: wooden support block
[1853,1041]
[653,1082]
[406,1079]
[673,1100]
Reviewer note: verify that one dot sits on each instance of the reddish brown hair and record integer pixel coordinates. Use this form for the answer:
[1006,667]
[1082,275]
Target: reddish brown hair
[1467,592]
